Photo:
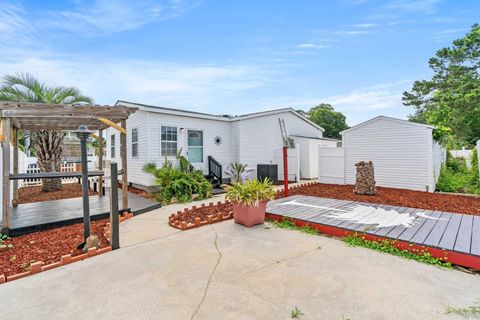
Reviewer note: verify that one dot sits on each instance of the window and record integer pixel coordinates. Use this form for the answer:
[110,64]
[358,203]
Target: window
[112,146]
[169,141]
[135,142]
[195,146]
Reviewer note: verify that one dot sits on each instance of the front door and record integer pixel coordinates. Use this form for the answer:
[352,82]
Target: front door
[195,146]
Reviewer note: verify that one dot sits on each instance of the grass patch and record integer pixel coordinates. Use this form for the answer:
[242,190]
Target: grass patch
[467,312]
[290,225]
[388,246]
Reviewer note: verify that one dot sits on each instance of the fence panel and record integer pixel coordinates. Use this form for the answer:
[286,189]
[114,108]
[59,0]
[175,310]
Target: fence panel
[331,165]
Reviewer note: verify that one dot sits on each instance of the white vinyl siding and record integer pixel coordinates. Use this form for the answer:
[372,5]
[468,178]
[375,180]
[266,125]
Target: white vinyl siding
[252,140]
[401,153]
[210,128]
[135,164]
[261,140]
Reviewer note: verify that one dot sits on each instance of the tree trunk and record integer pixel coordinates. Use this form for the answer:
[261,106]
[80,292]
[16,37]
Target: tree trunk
[48,147]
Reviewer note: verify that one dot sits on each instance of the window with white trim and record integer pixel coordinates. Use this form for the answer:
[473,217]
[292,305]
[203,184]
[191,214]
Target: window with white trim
[134,142]
[112,146]
[168,141]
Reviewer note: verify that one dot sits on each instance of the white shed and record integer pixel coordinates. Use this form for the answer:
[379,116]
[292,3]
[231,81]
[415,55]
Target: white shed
[403,153]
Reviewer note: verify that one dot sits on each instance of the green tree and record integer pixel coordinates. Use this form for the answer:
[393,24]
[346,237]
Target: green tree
[47,143]
[450,100]
[326,117]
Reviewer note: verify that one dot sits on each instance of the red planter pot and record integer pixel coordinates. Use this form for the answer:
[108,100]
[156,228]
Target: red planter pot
[249,215]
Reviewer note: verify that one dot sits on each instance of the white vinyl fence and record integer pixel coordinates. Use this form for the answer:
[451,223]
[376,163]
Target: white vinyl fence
[331,165]
[293,163]
[34,168]
[465,154]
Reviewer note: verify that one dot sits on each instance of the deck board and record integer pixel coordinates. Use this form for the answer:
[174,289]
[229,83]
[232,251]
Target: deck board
[475,247]
[35,216]
[444,230]
[438,230]
[450,235]
[464,236]
[426,228]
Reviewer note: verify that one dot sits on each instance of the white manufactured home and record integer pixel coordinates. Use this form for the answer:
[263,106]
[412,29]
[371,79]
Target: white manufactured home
[404,154]
[157,133]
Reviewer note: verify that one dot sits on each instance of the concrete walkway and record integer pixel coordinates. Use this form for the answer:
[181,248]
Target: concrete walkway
[226,271]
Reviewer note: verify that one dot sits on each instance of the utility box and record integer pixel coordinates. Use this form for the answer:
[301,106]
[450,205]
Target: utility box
[269,171]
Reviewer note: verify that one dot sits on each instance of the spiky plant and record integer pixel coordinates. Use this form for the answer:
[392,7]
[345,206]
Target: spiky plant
[235,171]
[23,87]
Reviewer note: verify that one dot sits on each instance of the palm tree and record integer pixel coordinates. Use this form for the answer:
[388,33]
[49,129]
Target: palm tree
[46,143]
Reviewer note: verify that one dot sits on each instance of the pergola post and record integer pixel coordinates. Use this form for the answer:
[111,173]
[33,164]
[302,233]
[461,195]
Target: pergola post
[123,156]
[100,161]
[15,166]
[6,174]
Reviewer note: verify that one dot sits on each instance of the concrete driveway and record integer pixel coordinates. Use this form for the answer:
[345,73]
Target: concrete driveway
[226,271]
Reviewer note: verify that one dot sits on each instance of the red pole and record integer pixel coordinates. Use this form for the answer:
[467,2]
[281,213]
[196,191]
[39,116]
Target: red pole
[285,171]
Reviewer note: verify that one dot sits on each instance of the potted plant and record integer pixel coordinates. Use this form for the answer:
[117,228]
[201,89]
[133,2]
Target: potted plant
[249,200]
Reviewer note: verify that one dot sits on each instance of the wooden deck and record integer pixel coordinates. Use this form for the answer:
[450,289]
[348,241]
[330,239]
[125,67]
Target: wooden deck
[36,216]
[443,234]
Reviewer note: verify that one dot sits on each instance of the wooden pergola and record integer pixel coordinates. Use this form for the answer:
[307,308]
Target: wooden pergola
[16,116]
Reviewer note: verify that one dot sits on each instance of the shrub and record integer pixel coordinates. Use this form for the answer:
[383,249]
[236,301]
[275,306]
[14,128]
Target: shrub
[456,164]
[455,177]
[250,193]
[236,171]
[178,182]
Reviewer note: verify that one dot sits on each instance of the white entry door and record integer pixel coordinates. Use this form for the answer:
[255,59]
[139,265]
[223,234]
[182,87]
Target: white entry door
[195,146]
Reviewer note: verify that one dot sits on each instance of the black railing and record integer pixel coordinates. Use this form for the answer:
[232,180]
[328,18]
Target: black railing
[215,169]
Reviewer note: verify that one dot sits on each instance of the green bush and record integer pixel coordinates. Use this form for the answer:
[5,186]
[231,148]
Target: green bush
[455,177]
[456,164]
[251,192]
[178,182]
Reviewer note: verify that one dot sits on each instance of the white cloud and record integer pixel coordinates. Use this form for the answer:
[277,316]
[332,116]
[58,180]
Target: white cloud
[156,82]
[14,28]
[422,6]
[358,105]
[110,16]
[310,46]
[351,32]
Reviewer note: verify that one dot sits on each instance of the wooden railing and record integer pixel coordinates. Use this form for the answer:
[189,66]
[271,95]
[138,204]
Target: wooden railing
[215,169]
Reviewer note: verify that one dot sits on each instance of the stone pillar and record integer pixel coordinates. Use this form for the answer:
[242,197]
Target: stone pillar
[365,182]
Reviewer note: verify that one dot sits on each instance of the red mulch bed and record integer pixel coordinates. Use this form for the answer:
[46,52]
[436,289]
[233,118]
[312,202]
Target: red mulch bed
[138,191]
[47,246]
[396,197]
[35,193]
[203,212]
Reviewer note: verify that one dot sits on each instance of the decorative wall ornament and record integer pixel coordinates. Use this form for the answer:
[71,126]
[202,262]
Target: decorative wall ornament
[217,140]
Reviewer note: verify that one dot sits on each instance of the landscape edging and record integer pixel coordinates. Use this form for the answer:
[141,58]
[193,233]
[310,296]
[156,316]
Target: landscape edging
[39,266]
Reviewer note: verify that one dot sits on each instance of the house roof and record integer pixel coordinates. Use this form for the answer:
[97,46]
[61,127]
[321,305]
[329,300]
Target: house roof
[316,138]
[227,118]
[402,121]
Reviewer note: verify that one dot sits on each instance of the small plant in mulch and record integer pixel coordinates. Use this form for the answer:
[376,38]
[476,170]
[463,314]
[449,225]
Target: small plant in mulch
[388,246]
[4,245]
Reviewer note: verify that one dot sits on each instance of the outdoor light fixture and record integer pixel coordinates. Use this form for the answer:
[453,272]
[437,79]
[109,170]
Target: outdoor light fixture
[83,133]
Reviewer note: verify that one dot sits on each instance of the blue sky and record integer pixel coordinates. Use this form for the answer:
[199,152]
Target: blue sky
[234,56]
